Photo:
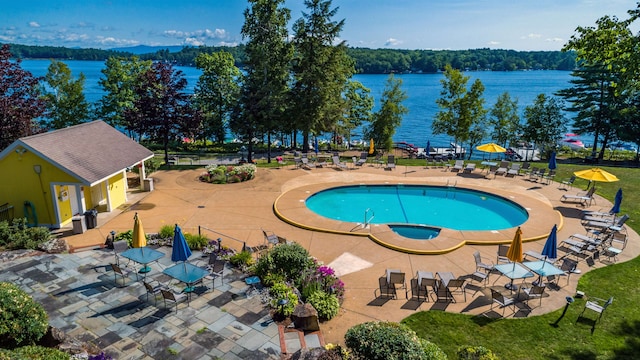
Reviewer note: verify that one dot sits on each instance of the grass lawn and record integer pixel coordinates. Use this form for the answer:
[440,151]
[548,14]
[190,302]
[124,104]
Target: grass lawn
[616,336]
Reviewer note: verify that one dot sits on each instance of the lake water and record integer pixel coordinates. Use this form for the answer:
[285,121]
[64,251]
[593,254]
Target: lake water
[422,91]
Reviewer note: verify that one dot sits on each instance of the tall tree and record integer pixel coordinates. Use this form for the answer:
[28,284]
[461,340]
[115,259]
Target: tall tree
[321,69]
[459,109]
[545,122]
[66,104]
[357,107]
[120,77]
[504,119]
[162,109]
[216,93]
[20,100]
[389,116]
[261,106]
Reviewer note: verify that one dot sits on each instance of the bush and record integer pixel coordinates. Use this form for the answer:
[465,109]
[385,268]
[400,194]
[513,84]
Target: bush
[290,260]
[241,259]
[280,291]
[22,320]
[228,174]
[326,304]
[389,340]
[166,232]
[17,235]
[35,353]
[475,353]
[196,242]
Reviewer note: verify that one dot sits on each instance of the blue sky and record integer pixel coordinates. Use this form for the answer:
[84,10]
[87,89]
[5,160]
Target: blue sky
[395,24]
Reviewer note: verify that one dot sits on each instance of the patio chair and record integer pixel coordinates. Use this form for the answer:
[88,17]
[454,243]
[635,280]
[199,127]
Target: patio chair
[502,254]
[526,168]
[567,183]
[391,162]
[482,264]
[533,173]
[582,198]
[492,171]
[119,247]
[216,270]
[172,296]
[616,225]
[395,278]
[385,290]
[124,273]
[457,286]
[598,305]
[514,170]
[549,177]
[153,290]
[618,243]
[498,298]
[469,168]
[270,237]
[306,164]
[568,266]
[337,163]
[536,291]
[539,175]
[363,159]
[459,165]
[504,167]
[422,282]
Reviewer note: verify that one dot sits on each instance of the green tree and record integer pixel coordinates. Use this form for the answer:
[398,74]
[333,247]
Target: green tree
[262,103]
[358,105]
[66,104]
[545,122]
[216,92]
[504,119]
[120,77]
[320,69]
[389,116]
[161,109]
[20,100]
[460,109]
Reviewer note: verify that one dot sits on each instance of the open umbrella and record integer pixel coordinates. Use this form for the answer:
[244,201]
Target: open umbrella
[552,161]
[491,148]
[371,147]
[616,204]
[596,174]
[180,250]
[139,239]
[515,251]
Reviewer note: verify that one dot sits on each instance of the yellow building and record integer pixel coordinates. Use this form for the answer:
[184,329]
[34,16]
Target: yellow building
[51,177]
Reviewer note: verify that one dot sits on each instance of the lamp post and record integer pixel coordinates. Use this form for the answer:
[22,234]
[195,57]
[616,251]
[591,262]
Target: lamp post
[113,238]
[281,304]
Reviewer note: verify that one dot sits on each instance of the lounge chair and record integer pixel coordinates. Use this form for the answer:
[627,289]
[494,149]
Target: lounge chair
[306,164]
[549,177]
[363,159]
[504,167]
[391,162]
[582,198]
[526,167]
[385,290]
[396,278]
[337,163]
[533,173]
[598,305]
[514,170]
[616,225]
[538,176]
[468,169]
[618,243]
[492,171]
[567,183]
[459,165]
[498,298]
[423,282]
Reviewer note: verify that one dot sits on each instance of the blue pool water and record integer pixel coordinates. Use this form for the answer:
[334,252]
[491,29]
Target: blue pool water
[438,206]
[418,232]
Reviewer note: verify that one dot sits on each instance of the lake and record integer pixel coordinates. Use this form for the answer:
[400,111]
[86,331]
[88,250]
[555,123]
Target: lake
[422,91]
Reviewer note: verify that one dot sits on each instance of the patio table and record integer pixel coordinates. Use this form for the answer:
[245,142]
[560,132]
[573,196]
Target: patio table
[513,271]
[186,273]
[486,164]
[543,268]
[143,256]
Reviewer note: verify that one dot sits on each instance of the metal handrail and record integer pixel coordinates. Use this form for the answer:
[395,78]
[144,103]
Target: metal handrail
[367,221]
[244,243]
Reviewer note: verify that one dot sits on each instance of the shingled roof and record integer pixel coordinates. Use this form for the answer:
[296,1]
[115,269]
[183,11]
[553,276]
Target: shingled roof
[91,152]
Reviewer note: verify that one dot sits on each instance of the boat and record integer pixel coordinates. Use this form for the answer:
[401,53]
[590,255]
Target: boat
[573,143]
[523,154]
[450,152]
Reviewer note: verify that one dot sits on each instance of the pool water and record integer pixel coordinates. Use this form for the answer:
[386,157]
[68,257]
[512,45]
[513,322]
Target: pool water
[417,232]
[437,206]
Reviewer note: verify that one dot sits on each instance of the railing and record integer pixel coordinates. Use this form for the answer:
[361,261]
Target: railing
[367,219]
[244,243]
[6,212]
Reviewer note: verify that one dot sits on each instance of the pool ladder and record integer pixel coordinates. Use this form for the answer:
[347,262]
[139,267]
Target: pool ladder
[367,218]
[451,186]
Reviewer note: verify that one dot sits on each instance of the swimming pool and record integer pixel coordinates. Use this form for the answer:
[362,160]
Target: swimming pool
[439,206]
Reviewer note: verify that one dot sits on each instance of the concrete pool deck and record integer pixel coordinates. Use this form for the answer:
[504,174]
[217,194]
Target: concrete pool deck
[241,211]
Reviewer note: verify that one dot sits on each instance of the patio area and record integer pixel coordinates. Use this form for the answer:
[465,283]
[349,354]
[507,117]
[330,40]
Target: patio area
[241,211]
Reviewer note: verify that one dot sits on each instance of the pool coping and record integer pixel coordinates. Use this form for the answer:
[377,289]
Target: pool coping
[290,207]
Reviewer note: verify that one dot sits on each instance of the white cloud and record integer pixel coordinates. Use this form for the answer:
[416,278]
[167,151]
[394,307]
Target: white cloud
[493,42]
[554,40]
[111,41]
[34,24]
[392,42]
[193,42]
[531,36]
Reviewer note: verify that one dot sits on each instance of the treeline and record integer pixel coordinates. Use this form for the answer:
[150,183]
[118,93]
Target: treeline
[368,61]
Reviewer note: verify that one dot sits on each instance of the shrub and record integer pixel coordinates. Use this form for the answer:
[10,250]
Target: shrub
[290,260]
[326,304]
[389,340]
[228,174]
[22,320]
[241,259]
[280,291]
[166,232]
[196,242]
[18,235]
[36,353]
[475,353]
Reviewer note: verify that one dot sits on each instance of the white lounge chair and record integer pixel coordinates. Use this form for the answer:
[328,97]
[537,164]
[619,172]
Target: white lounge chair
[582,198]
[337,163]
[459,165]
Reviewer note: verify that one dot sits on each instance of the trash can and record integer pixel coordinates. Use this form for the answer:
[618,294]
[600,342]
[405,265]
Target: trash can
[148,184]
[79,226]
[91,218]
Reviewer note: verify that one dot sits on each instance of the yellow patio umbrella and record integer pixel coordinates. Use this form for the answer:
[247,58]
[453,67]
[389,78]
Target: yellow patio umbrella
[491,148]
[515,250]
[371,147]
[139,239]
[596,174]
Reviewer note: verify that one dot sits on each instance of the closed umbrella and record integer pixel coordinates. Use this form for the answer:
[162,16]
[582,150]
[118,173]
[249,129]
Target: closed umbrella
[139,238]
[315,145]
[371,147]
[491,148]
[427,150]
[550,249]
[515,251]
[180,251]
[616,204]
[552,161]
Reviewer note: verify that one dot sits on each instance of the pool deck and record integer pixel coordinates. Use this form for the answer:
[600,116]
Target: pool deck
[241,211]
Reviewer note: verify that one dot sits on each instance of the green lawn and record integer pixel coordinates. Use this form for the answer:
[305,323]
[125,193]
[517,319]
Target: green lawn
[616,336]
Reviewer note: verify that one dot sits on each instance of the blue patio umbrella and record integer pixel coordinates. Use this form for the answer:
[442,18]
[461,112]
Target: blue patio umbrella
[552,161]
[315,145]
[550,249]
[180,251]
[618,200]
[427,150]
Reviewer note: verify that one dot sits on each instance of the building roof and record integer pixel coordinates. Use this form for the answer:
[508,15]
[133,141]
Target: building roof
[91,151]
